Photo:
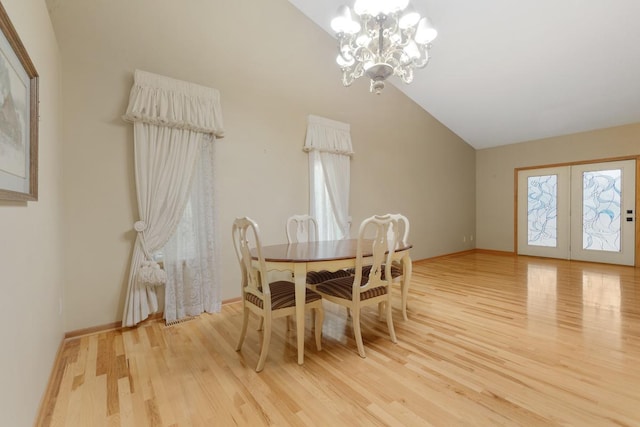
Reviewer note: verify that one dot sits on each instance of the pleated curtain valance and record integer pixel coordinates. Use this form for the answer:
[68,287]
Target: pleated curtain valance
[328,136]
[168,102]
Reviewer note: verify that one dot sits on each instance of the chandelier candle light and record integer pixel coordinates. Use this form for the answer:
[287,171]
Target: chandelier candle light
[381,38]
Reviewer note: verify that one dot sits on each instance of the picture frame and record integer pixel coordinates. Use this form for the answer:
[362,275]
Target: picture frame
[19,100]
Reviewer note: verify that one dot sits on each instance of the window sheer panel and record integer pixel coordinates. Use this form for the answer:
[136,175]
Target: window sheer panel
[328,143]
[330,183]
[190,256]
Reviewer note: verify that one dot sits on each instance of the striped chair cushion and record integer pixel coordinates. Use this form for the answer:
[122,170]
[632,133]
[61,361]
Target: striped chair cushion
[283,295]
[395,271]
[315,277]
[343,288]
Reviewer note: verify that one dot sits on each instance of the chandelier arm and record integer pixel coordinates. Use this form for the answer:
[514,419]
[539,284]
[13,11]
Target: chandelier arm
[394,27]
[421,62]
[362,54]
[366,24]
[347,77]
[390,54]
[423,59]
[349,74]
[405,36]
[407,77]
[344,46]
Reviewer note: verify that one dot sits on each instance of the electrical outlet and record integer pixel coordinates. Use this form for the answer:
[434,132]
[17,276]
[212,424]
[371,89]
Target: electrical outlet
[471,237]
[464,239]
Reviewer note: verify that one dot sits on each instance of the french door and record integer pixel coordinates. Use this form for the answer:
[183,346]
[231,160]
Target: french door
[583,212]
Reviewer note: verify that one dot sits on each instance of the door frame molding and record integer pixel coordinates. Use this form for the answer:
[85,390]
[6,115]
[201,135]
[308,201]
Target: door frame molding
[581,162]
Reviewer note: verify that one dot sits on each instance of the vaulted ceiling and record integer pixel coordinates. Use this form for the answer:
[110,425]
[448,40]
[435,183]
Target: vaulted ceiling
[505,71]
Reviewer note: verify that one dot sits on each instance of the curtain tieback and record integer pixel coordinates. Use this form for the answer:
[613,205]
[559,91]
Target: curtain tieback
[150,273]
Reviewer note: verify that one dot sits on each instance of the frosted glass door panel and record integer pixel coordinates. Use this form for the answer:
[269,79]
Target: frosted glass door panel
[601,199]
[604,201]
[542,210]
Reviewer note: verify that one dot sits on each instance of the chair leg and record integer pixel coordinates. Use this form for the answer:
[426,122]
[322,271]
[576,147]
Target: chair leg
[404,290]
[313,312]
[355,314]
[381,311]
[243,331]
[392,331]
[319,318]
[405,282]
[266,339]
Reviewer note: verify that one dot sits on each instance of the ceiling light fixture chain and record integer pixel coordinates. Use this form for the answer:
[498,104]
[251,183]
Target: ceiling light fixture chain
[381,38]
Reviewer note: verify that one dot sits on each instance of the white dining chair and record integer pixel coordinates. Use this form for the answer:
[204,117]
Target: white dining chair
[269,300]
[304,228]
[301,228]
[398,273]
[372,288]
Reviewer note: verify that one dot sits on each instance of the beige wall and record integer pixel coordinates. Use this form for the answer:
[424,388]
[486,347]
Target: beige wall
[32,241]
[273,67]
[495,169]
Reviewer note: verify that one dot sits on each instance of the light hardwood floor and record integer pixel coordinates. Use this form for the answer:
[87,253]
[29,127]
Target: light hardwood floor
[491,340]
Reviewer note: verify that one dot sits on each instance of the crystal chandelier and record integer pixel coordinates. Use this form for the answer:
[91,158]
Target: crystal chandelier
[383,38]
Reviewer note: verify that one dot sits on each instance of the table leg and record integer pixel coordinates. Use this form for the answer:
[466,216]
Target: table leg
[300,278]
[407,267]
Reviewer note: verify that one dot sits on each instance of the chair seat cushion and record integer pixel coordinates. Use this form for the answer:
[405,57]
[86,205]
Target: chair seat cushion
[343,288]
[315,277]
[283,295]
[395,271]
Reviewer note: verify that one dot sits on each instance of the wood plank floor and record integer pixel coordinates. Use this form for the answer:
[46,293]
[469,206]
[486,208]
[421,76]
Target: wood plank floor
[490,340]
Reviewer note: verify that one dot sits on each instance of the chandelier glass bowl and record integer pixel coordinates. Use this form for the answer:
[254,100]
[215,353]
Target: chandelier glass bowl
[381,38]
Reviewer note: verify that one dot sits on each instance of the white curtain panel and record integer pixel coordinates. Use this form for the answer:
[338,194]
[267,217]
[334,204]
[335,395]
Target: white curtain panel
[171,121]
[164,161]
[328,143]
[191,258]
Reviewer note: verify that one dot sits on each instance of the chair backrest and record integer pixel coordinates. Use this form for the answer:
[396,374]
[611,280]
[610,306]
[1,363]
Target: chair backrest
[402,229]
[384,230]
[302,228]
[245,234]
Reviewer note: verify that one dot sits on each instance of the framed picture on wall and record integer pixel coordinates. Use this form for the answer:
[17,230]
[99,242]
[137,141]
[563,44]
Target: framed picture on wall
[18,117]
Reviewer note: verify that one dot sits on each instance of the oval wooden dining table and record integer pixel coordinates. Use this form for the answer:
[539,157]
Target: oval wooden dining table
[329,255]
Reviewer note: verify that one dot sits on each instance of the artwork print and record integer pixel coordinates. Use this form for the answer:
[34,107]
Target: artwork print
[18,117]
[13,121]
